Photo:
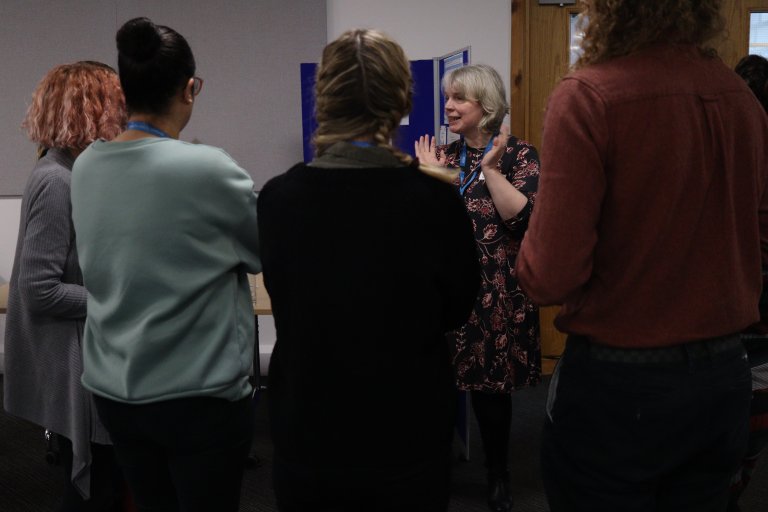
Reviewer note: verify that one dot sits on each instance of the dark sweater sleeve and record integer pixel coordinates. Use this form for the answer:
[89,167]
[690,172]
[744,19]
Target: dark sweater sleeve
[556,256]
[459,268]
[47,243]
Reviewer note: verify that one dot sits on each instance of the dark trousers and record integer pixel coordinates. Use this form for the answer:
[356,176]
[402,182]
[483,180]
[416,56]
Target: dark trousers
[494,418]
[419,488]
[658,431]
[758,441]
[107,483]
[181,455]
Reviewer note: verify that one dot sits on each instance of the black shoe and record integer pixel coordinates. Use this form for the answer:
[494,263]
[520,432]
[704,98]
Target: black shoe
[499,499]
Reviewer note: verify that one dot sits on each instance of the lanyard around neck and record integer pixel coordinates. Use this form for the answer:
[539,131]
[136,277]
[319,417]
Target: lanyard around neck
[463,164]
[147,128]
[361,143]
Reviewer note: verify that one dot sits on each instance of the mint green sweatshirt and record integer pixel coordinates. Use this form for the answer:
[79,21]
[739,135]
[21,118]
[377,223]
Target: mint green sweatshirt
[166,232]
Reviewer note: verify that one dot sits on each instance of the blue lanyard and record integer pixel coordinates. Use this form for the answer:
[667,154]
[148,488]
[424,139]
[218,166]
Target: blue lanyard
[146,127]
[463,164]
[361,143]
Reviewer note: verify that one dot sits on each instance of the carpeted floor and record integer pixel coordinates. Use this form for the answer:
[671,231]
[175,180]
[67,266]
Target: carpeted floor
[29,484]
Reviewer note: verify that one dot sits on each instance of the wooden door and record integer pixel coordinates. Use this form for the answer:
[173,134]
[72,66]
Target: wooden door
[540,58]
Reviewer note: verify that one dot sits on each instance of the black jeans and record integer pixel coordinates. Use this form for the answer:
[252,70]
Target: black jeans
[181,455]
[645,433]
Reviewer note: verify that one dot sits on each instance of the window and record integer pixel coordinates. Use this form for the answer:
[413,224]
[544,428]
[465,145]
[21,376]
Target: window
[578,24]
[758,33]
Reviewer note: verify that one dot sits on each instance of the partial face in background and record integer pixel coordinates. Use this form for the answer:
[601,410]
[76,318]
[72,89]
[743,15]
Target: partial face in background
[463,114]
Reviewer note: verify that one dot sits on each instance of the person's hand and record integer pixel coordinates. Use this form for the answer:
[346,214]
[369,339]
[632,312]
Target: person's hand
[492,157]
[425,151]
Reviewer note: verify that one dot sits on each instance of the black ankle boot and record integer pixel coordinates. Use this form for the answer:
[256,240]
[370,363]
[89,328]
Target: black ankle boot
[499,498]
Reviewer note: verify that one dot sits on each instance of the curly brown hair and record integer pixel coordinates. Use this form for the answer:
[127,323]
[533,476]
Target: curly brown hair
[621,27]
[75,104]
[363,88]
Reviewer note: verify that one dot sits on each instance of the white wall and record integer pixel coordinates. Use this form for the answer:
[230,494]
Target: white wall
[431,28]
[10,209]
[247,51]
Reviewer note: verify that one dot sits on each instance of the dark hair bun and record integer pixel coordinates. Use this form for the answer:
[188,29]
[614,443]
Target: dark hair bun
[138,40]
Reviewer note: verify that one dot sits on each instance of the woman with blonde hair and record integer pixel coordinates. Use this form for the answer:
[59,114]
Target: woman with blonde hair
[368,262]
[498,350]
[71,107]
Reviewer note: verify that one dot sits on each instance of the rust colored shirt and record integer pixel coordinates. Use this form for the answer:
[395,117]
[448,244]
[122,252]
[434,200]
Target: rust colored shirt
[651,207]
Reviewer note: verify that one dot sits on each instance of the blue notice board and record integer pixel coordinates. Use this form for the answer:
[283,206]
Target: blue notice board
[308,123]
[445,65]
[422,118]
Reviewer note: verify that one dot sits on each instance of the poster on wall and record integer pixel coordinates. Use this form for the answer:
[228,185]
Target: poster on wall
[443,66]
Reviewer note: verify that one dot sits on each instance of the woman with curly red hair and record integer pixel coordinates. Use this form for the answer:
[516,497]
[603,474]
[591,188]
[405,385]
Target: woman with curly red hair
[72,106]
[647,229]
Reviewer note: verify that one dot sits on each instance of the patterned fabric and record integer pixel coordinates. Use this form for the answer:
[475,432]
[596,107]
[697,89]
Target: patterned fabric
[499,349]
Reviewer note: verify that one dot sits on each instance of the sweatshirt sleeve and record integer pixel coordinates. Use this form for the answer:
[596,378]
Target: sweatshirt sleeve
[236,194]
[48,240]
[556,256]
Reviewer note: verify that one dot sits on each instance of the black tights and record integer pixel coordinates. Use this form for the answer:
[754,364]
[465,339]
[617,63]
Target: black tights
[494,417]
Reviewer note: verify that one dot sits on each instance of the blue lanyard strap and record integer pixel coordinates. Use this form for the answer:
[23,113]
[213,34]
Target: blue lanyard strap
[146,127]
[361,143]
[463,164]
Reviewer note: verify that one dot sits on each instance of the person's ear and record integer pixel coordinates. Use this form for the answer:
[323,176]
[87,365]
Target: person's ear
[188,92]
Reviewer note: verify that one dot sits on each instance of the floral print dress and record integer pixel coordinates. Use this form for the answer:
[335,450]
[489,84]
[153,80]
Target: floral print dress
[499,349]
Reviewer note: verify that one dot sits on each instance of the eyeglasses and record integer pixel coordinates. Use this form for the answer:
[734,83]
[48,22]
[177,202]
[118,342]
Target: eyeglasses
[197,85]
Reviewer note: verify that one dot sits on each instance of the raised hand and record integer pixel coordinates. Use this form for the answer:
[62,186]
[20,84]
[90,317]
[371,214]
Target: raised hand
[492,157]
[424,148]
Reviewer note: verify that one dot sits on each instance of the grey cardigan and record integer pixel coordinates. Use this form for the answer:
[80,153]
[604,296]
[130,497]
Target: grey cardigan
[46,313]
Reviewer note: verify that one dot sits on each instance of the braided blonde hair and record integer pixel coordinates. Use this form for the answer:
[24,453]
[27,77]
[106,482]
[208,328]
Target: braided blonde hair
[363,89]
